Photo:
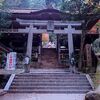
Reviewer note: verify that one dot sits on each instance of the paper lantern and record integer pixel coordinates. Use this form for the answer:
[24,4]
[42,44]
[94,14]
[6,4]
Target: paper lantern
[45,37]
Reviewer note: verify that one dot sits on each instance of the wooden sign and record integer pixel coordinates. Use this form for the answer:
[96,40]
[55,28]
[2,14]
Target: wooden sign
[88,55]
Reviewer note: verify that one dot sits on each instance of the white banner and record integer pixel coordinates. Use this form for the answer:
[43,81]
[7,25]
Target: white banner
[11,61]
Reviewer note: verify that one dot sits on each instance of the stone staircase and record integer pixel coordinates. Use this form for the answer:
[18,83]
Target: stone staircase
[54,82]
[49,59]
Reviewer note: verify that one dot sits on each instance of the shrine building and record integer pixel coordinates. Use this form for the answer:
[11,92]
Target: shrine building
[49,37]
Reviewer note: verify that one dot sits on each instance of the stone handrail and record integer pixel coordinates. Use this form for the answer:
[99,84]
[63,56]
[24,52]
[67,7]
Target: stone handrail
[96,79]
[7,86]
[95,94]
[91,81]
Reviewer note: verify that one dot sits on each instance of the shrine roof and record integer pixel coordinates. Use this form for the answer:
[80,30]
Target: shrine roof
[45,14]
[54,14]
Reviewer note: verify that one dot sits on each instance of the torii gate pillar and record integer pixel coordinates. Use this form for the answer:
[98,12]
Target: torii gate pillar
[69,31]
[29,41]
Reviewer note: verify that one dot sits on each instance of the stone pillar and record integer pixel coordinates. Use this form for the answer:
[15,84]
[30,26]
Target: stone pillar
[70,41]
[29,41]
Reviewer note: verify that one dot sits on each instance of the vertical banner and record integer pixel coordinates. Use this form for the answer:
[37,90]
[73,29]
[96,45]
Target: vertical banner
[11,61]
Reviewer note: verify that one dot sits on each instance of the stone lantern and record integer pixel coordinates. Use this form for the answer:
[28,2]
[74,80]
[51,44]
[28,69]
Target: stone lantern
[95,95]
[96,49]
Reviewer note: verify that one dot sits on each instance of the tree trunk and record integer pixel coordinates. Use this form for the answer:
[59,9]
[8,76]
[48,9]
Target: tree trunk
[81,50]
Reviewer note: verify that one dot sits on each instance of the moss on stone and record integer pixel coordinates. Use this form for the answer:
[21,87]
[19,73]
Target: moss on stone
[97,79]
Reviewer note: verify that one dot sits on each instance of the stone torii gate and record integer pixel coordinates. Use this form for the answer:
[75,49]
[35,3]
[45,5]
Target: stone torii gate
[32,30]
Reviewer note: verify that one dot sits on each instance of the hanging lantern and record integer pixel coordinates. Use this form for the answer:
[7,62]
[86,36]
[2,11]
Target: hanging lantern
[45,37]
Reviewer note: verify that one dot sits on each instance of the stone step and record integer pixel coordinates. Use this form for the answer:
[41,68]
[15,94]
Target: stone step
[49,80]
[52,79]
[66,75]
[52,75]
[50,87]
[51,83]
[41,71]
[69,91]
[49,59]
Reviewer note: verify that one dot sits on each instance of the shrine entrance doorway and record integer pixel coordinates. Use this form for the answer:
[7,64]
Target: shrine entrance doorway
[52,50]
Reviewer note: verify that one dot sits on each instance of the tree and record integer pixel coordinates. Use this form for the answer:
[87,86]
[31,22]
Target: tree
[55,3]
[4,20]
[24,4]
[11,3]
[1,3]
[82,9]
[72,5]
[4,16]
[80,6]
[37,4]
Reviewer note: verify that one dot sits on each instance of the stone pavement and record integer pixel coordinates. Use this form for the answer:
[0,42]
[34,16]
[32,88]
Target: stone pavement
[7,72]
[2,92]
[33,96]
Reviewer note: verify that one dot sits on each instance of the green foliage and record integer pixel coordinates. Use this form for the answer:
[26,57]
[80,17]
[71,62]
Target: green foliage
[52,37]
[79,6]
[98,24]
[96,46]
[24,4]
[1,3]
[55,3]
[11,3]
[72,5]
[4,16]
[96,10]
[37,4]
[4,20]
[64,5]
